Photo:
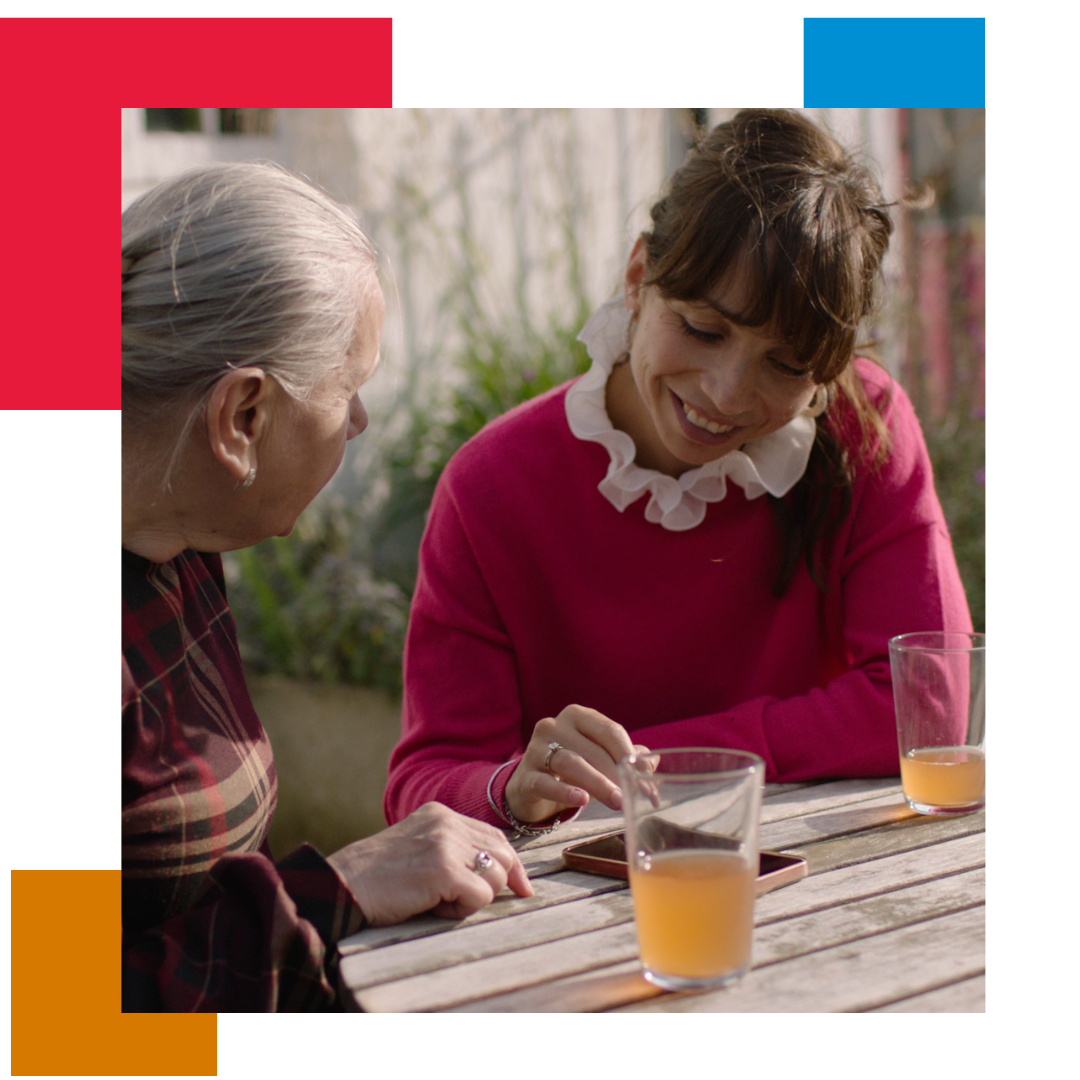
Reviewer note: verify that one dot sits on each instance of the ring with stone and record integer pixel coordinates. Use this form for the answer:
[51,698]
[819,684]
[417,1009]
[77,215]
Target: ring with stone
[482,862]
[552,747]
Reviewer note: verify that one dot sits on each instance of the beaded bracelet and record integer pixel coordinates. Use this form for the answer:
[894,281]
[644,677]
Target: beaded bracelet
[507,815]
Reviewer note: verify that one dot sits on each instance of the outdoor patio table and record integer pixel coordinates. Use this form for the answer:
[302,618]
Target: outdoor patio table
[889,919]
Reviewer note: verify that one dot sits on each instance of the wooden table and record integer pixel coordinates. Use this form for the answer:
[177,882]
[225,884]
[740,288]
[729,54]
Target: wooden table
[890,919]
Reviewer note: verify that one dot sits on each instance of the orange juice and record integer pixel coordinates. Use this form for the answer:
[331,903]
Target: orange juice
[944,775]
[694,912]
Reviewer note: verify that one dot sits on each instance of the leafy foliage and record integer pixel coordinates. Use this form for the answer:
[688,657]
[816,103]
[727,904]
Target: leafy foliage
[498,373]
[308,605]
[330,602]
[957,448]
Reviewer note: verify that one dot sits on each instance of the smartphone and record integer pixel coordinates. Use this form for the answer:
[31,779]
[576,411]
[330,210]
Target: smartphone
[607,855]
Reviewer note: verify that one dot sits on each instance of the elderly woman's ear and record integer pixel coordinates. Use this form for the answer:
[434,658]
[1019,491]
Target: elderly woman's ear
[238,418]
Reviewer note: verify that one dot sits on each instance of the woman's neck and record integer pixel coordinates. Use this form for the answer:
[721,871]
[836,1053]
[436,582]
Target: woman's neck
[160,541]
[150,524]
[159,522]
[628,414]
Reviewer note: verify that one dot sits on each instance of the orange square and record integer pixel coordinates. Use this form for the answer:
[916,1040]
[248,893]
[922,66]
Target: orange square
[65,988]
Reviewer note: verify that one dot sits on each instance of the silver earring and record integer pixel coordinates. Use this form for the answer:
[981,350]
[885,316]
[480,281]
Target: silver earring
[818,403]
[247,481]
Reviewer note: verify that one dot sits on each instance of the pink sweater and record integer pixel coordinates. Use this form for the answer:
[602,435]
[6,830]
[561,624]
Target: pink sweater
[535,593]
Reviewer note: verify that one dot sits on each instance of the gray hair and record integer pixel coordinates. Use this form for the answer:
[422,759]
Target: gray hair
[235,265]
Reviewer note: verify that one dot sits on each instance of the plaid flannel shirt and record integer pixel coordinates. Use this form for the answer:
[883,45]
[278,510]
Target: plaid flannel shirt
[210,921]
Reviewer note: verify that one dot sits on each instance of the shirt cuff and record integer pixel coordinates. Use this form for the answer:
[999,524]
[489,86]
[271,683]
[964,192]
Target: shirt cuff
[320,895]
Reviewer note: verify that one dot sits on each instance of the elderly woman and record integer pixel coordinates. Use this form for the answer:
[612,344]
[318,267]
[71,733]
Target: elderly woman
[251,317]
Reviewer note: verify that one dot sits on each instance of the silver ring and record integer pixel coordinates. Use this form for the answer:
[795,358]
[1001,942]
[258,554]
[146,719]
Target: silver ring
[552,747]
[482,862]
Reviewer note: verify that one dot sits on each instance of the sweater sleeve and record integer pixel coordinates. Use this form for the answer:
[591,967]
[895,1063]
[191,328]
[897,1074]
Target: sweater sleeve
[259,937]
[461,710]
[260,940]
[892,571]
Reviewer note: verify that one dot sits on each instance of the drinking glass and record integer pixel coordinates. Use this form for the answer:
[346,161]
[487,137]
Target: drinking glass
[692,848]
[939,688]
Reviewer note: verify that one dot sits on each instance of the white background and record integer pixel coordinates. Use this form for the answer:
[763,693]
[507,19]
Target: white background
[60,496]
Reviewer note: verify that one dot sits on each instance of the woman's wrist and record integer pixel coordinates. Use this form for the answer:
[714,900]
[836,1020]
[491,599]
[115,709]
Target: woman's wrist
[506,813]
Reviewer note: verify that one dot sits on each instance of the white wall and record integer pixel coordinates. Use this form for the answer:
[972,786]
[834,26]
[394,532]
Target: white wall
[503,216]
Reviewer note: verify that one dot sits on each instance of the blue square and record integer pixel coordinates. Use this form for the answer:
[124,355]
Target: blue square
[894,63]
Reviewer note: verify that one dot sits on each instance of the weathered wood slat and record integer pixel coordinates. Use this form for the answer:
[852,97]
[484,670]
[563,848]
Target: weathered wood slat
[907,835]
[790,805]
[846,884]
[549,891]
[968,996]
[815,930]
[841,807]
[835,821]
[865,926]
[835,793]
[852,977]
[837,887]
[616,983]
[445,954]
[780,801]
[546,860]
[562,955]
[597,818]
[501,973]
[589,991]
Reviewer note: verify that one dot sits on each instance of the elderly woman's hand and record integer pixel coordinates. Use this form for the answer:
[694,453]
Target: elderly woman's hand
[429,862]
[583,768]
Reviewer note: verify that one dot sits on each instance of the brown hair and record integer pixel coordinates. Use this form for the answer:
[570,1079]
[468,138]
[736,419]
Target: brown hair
[771,196]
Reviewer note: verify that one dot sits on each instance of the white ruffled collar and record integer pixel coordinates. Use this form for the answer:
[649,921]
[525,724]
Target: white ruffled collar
[773,464]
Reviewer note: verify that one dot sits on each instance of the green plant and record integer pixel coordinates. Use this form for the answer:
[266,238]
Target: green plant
[308,605]
[498,372]
[957,446]
[330,602]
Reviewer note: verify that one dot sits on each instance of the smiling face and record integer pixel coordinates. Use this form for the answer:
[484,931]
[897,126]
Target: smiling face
[701,384]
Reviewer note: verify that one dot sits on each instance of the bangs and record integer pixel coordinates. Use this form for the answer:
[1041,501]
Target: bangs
[803,286]
[796,237]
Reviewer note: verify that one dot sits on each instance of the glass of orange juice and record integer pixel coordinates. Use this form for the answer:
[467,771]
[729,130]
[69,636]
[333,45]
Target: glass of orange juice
[692,846]
[939,688]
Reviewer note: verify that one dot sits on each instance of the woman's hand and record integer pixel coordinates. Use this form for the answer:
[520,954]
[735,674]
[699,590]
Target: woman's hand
[426,863]
[584,768]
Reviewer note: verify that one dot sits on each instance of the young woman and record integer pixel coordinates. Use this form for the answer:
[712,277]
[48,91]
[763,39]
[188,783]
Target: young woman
[707,539]
[251,316]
